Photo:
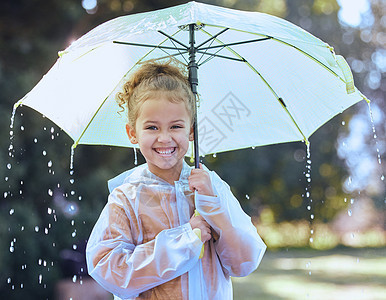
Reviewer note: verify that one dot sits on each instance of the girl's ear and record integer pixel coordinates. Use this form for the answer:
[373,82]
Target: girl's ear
[131,134]
[191,134]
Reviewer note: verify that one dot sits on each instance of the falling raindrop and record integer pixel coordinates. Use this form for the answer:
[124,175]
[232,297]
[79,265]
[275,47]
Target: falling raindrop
[72,181]
[44,152]
[36,228]
[247,197]
[74,278]
[35,140]
[72,159]
[12,211]
[9,166]
[214,155]
[349,212]
[135,156]
[49,164]
[50,192]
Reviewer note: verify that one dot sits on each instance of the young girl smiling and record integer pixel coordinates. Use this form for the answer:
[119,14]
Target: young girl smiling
[143,245]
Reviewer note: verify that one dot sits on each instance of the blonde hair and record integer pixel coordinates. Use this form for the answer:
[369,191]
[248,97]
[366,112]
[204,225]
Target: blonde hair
[155,77]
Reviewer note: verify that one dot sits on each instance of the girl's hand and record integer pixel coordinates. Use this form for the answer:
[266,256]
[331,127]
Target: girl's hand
[200,223]
[199,180]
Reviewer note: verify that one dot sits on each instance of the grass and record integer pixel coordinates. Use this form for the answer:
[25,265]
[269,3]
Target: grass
[342,273]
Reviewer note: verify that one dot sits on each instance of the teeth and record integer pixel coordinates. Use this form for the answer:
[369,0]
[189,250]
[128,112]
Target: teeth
[165,151]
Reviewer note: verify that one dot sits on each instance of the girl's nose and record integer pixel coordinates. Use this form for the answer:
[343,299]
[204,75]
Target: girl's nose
[164,137]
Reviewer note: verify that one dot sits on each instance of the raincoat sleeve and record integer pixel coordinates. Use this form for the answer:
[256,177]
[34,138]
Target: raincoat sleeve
[238,246]
[126,269]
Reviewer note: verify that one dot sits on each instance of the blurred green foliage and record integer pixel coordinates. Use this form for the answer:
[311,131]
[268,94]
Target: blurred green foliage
[46,210]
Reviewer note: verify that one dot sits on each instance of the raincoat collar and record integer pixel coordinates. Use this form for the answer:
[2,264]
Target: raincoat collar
[142,173]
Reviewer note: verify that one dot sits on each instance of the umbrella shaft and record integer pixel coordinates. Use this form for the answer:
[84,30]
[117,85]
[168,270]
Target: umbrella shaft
[193,79]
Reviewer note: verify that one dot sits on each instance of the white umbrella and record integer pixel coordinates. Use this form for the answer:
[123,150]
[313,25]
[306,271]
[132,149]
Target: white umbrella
[260,79]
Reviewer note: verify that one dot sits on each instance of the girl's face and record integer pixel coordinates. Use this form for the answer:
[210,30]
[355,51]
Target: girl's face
[163,130]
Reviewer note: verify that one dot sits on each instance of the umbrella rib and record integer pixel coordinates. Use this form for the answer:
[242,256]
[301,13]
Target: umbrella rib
[281,101]
[212,38]
[212,55]
[173,39]
[238,43]
[148,45]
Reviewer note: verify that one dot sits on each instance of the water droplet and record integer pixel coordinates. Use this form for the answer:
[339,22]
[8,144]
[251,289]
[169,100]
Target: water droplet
[345,199]
[312,231]
[5,195]
[52,129]
[214,155]
[44,152]
[6,178]
[9,166]
[40,278]
[22,128]
[308,207]
[312,216]
[35,140]
[308,194]
[72,193]
[49,164]
[311,240]
[349,212]
[73,234]
[247,197]
[49,210]
[9,280]
[46,230]
[72,222]
[12,211]
[74,247]
[72,181]
[135,156]
[50,192]
[11,249]
[36,228]
[352,200]
[382,177]
[40,262]
[74,278]
[343,123]
[80,198]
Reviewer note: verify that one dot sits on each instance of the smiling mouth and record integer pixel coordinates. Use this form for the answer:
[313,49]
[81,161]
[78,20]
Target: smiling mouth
[165,151]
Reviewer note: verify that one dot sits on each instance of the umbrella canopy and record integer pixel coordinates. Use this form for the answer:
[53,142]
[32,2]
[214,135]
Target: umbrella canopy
[261,79]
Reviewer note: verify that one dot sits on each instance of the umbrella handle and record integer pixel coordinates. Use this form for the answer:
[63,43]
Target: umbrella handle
[197,231]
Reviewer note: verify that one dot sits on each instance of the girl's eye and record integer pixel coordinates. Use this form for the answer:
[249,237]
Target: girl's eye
[151,128]
[176,126]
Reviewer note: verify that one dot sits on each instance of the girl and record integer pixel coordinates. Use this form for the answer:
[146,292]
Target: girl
[144,245]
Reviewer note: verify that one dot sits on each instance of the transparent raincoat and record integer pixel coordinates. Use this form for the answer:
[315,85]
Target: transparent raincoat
[143,247]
